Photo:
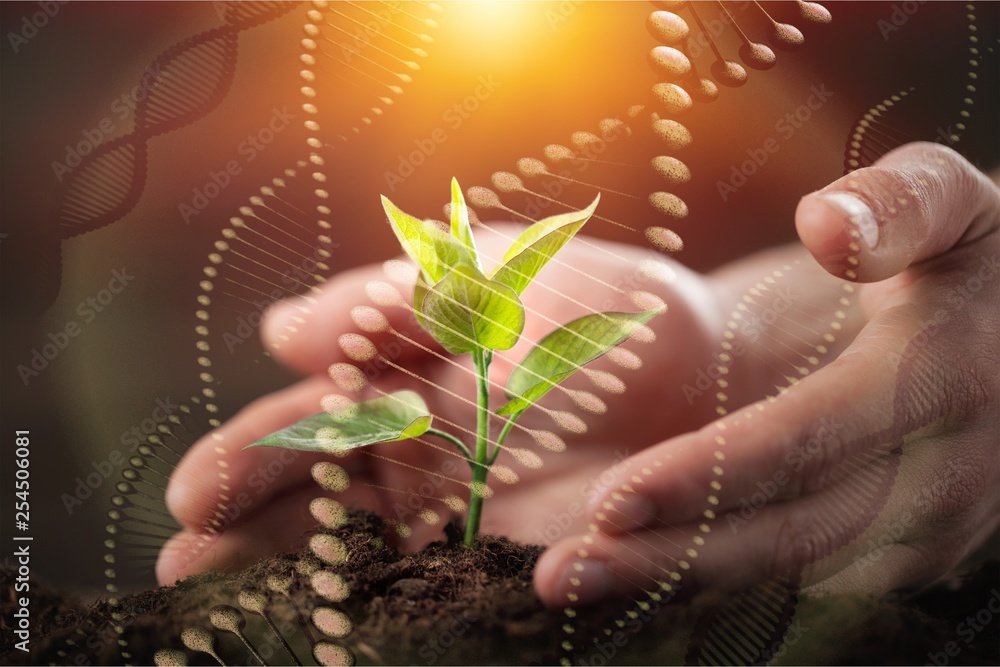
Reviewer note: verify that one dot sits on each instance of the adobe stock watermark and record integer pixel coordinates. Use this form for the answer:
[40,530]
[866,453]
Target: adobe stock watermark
[453,117]
[130,440]
[957,298]
[121,108]
[796,459]
[559,15]
[109,633]
[900,14]
[554,187]
[923,502]
[561,522]
[647,274]
[294,277]
[364,34]
[435,648]
[752,326]
[31,25]
[60,339]
[715,26]
[604,651]
[785,127]
[246,151]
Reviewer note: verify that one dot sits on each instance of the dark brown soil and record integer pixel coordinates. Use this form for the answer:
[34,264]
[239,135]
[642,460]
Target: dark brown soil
[452,605]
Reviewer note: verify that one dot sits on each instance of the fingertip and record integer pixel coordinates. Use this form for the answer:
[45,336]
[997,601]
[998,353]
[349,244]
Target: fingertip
[565,578]
[837,228]
[179,557]
[915,203]
[174,497]
[546,572]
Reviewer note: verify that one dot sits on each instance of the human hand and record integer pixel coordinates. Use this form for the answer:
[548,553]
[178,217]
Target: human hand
[261,506]
[901,477]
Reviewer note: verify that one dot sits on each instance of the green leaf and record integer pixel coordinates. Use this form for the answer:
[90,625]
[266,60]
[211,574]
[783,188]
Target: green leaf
[398,416]
[467,311]
[532,250]
[434,251]
[460,227]
[420,289]
[564,351]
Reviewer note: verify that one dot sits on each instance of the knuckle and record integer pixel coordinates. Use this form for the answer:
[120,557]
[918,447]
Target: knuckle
[878,186]
[915,180]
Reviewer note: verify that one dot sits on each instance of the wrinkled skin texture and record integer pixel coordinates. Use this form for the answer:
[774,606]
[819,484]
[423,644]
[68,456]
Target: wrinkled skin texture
[908,483]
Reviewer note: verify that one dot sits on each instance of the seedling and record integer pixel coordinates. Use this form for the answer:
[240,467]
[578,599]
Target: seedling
[471,312]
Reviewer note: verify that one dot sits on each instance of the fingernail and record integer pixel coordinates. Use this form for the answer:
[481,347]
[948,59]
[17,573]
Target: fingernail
[857,213]
[584,582]
[628,512]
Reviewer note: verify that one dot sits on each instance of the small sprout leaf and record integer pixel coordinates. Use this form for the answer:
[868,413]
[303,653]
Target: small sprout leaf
[467,311]
[533,249]
[434,251]
[564,351]
[398,416]
[461,229]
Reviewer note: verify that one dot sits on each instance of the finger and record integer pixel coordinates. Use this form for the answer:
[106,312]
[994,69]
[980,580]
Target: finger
[818,431]
[940,511]
[216,473]
[842,538]
[786,542]
[891,387]
[280,525]
[915,203]
[903,373]
[304,332]
[800,543]
[836,485]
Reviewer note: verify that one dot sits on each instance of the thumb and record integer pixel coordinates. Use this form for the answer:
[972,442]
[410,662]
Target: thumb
[917,202]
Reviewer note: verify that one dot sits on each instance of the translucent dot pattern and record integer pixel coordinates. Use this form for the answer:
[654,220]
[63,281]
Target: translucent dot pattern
[138,521]
[876,132]
[264,632]
[860,151]
[671,58]
[382,65]
[260,258]
[199,70]
[664,582]
[660,587]
[748,629]
[679,87]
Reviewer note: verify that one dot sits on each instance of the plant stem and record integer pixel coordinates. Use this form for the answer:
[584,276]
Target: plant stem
[502,437]
[481,360]
[453,440]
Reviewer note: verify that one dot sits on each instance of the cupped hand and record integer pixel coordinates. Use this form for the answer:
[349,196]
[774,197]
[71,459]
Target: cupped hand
[236,506]
[881,470]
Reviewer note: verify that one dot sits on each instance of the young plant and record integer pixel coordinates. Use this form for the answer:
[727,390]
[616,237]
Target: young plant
[471,312]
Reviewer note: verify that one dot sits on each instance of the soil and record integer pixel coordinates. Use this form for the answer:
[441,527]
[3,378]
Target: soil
[451,605]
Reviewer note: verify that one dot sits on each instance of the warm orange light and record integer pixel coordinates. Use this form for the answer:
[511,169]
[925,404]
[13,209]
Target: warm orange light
[496,26]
